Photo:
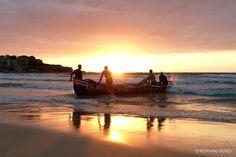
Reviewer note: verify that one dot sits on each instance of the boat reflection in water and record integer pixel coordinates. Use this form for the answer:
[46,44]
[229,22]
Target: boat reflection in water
[116,128]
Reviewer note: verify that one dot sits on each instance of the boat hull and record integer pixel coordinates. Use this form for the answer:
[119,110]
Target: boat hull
[90,87]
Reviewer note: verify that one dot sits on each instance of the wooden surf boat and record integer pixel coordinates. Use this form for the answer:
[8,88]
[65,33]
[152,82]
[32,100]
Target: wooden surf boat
[89,87]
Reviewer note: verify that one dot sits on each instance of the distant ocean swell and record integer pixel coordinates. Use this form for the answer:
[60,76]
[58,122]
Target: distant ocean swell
[182,79]
[36,86]
[206,92]
[34,79]
[206,81]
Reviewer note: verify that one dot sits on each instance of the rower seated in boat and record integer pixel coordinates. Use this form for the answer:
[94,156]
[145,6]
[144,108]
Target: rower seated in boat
[149,80]
[163,80]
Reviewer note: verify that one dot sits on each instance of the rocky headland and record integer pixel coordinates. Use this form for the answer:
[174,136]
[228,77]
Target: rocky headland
[28,64]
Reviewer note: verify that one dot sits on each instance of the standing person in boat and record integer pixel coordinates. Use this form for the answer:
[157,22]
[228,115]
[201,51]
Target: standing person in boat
[163,80]
[108,77]
[151,78]
[78,73]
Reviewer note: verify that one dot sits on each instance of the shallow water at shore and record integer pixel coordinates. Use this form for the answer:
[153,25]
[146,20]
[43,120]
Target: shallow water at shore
[208,97]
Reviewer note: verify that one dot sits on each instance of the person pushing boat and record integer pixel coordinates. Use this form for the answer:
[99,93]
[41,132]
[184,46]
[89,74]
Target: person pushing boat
[78,73]
[108,77]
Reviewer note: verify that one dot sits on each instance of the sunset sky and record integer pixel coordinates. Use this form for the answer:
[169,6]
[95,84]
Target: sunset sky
[126,35]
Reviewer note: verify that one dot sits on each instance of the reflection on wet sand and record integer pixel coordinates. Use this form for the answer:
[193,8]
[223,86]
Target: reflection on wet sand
[114,127]
[150,121]
[130,130]
[160,122]
[76,117]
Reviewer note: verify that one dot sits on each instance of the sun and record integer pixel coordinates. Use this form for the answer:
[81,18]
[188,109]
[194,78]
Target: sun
[120,62]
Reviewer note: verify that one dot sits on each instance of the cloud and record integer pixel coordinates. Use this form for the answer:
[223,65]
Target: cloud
[154,25]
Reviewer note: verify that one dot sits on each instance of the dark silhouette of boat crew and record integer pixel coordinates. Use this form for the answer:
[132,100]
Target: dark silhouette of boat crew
[108,77]
[151,79]
[89,87]
[163,82]
[78,73]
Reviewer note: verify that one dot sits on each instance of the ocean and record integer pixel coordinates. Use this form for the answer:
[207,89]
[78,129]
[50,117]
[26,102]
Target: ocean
[199,96]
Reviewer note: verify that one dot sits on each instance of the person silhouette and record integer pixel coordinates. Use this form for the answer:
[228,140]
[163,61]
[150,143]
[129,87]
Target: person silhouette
[108,77]
[78,73]
[151,78]
[163,80]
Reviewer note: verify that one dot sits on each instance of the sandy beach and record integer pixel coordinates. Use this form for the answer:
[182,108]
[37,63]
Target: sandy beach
[77,133]
[31,142]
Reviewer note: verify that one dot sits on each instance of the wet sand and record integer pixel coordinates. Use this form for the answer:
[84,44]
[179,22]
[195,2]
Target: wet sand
[47,131]
[19,141]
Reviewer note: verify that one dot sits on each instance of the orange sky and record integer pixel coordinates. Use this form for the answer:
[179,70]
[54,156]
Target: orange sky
[126,35]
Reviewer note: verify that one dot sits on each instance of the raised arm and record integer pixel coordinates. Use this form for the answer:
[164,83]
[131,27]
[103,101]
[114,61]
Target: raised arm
[100,78]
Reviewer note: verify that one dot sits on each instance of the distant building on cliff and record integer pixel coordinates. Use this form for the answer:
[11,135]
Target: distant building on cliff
[28,64]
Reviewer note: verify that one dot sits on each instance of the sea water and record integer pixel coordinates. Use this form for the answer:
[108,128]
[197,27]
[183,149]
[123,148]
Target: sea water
[198,96]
